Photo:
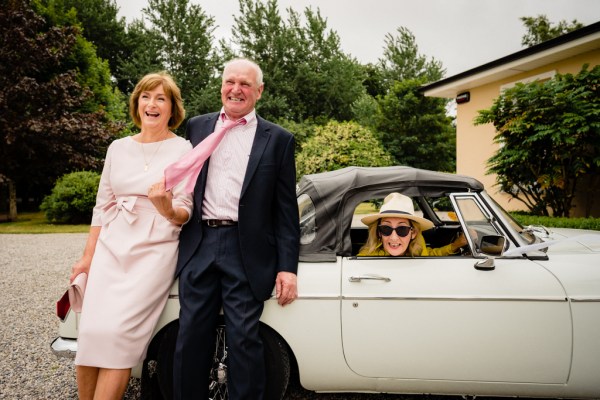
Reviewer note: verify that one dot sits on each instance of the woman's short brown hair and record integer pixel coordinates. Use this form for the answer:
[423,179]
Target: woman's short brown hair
[150,82]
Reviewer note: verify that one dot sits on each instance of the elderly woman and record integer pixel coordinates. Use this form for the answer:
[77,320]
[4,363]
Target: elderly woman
[396,231]
[132,246]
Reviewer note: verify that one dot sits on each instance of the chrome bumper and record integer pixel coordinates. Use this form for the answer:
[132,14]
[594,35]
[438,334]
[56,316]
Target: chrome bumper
[62,347]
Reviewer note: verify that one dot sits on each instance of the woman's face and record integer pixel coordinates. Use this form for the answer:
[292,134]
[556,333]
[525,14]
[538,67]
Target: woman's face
[394,244]
[154,108]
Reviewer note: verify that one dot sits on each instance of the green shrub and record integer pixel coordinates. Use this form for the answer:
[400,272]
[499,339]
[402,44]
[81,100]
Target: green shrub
[301,131]
[72,199]
[338,145]
[557,222]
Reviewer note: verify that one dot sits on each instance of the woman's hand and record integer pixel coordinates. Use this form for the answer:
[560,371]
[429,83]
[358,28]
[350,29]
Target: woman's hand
[162,200]
[83,265]
[459,242]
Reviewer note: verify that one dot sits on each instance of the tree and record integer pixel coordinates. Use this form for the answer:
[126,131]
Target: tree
[45,129]
[549,134]
[306,74]
[402,60]
[92,71]
[415,129]
[101,26]
[142,59]
[180,37]
[329,81]
[338,145]
[540,29]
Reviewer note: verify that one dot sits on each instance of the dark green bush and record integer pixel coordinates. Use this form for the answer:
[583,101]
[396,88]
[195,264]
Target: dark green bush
[557,222]
[72,199]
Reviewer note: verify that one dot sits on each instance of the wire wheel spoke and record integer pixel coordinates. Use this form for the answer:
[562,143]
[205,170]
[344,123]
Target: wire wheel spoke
[218,374]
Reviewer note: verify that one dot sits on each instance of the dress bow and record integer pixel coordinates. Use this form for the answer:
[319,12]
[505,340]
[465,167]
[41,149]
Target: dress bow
[124,205]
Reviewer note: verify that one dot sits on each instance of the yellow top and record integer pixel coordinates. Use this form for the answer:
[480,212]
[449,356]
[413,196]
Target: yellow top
[427,251]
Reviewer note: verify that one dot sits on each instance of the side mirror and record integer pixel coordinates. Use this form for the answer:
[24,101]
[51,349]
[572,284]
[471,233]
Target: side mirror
[492,246]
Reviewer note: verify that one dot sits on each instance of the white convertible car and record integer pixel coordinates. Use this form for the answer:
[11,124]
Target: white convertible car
[517,313]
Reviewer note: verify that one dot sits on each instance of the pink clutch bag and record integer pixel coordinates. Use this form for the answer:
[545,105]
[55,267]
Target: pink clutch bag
[76,291]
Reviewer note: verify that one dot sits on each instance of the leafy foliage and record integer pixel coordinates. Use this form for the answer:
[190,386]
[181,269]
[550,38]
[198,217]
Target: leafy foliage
[402,60]
[306,74]
[549,134]
[72,199]
[302,131]
[142,57]
[415,129]
[540,29]
[46,126]
[91,71]
[366,111]
[180,37]
[338,145]
[558,222]
[102,27]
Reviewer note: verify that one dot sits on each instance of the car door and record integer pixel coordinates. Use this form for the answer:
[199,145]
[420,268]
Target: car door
[440,318]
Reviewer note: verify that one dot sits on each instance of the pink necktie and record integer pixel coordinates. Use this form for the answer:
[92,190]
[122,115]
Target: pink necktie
[191,163]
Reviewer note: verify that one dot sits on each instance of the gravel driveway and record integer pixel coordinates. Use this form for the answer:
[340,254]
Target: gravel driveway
[34,271]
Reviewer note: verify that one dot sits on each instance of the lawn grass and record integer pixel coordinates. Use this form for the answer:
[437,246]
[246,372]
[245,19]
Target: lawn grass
[365,208]
[35,222]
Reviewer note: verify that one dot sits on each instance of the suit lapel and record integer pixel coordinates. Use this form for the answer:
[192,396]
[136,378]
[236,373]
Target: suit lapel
[206,127]
[261,139]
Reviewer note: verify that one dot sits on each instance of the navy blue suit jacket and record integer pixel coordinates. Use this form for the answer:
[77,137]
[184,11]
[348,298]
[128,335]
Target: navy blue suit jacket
[268,221]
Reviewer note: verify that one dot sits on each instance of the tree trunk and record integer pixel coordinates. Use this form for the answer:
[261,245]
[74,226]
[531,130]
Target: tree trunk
[12,201]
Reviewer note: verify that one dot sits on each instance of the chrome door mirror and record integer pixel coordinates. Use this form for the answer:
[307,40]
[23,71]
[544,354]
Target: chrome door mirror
[492,246]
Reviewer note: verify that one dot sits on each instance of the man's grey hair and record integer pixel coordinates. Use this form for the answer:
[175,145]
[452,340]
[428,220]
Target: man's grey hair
[259,73]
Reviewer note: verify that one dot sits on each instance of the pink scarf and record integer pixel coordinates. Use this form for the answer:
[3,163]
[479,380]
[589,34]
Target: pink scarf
[190,165]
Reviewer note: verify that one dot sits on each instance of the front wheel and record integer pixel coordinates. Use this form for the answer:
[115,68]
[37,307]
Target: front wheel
[157,374]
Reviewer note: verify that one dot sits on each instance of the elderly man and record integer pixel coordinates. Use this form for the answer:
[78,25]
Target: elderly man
[242,239]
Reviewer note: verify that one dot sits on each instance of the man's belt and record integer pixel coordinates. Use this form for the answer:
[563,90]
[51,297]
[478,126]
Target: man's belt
[215,223]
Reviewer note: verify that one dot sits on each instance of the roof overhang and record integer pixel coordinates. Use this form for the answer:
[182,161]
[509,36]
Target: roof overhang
[563,47]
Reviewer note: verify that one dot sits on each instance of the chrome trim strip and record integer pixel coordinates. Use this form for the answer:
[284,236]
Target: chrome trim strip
[312,298]
[550,299]
[554,299]
[585,299]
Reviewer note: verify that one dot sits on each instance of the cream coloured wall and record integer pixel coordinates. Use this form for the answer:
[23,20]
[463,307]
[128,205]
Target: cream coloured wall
[475,144]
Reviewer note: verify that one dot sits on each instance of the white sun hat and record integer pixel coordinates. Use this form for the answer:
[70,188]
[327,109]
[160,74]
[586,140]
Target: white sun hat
[396,205]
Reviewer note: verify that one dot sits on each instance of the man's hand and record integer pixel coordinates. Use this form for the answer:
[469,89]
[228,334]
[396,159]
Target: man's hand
[286,289]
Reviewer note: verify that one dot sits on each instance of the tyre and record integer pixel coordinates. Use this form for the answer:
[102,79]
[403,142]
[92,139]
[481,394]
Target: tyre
[157,375]
[277,364]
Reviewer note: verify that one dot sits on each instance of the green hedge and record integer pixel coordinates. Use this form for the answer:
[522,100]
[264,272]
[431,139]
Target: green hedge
[72,199]
[558,222]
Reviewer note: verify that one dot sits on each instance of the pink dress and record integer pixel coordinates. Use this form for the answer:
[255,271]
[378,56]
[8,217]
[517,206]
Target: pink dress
[134,262]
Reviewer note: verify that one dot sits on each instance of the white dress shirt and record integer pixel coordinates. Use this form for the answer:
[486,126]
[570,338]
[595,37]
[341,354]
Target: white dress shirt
[227,169]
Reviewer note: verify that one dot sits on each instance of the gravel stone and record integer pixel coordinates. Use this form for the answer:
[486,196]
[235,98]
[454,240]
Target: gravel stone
[34,273]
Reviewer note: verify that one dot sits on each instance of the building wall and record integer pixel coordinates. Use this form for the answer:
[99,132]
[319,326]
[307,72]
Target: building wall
[475,144]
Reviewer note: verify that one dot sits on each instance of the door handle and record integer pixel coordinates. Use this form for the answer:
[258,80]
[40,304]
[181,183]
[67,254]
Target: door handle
[369,277]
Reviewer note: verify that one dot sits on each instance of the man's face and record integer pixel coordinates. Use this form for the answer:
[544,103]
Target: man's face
[239,90]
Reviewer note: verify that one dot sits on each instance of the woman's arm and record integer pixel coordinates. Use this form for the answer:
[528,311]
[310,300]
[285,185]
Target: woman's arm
[84,263]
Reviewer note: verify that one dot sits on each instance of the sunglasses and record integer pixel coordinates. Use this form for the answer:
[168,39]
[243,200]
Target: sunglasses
[386,230]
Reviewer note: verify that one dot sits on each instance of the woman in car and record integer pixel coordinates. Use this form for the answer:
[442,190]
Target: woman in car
[396,231]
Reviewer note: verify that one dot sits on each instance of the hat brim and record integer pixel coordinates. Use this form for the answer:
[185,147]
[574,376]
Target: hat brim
[424,224]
